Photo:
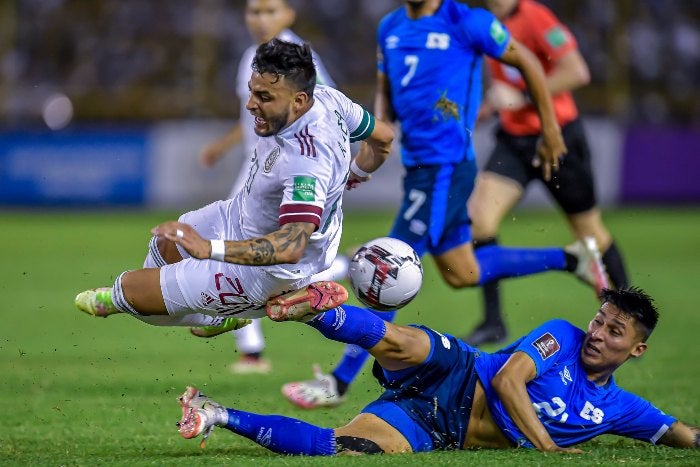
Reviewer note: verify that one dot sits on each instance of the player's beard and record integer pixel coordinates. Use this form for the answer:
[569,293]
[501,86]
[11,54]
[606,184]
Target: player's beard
[274,124]
[415,4]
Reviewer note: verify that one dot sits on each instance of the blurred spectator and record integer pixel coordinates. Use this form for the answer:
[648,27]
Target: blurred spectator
[135,59]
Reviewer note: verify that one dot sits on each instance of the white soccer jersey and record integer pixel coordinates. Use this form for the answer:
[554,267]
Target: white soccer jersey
[299,175]
[247,121]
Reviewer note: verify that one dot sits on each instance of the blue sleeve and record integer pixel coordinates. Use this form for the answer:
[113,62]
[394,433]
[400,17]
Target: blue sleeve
[481,30]
[641,419]
[552,342]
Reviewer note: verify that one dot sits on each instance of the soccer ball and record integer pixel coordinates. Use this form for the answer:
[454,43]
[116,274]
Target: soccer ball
[385,274]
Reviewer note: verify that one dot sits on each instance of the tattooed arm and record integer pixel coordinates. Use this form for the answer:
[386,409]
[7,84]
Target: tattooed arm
[283,246]
[681,435]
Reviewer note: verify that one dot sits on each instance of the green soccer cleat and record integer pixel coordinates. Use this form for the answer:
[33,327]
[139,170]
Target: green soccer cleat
[96,302]
[228,324]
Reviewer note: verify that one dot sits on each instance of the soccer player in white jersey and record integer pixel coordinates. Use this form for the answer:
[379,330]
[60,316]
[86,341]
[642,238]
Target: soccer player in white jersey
[265,20]
[256,253]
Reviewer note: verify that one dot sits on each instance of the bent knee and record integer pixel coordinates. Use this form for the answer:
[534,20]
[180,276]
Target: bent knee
[168,250]
[402,347]
[483,224]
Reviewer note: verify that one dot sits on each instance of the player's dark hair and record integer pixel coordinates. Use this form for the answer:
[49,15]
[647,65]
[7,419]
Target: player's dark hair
[636,303]
[294,62]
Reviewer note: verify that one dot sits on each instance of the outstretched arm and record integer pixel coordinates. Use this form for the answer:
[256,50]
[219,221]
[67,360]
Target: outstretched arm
[681,435]
[282,246]
[510,383]
[552,146]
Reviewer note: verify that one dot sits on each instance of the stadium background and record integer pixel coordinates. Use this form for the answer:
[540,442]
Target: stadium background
[135,88]
[104,106]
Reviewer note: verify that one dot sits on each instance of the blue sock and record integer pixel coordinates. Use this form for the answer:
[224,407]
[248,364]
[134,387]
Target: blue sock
[497,262]
[355,356]
[351,325]
[283,435]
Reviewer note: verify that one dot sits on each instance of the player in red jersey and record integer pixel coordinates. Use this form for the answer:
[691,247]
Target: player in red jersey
[512,166]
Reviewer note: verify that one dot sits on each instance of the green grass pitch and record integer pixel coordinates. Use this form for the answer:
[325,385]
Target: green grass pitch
[76,390]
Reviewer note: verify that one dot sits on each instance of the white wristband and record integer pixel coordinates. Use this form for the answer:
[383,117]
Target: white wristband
[218,250]
[358,171]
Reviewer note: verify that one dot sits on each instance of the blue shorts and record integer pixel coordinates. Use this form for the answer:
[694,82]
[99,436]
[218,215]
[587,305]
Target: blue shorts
[433,216]
[430,403]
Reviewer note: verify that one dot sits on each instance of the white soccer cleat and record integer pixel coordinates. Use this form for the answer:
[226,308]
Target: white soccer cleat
[303,304]
[322,391]
[200,415]
[590,268]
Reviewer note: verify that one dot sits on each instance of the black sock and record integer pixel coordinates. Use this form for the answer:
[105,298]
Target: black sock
[490,292]
[615,266]
[571,262]
[341,385]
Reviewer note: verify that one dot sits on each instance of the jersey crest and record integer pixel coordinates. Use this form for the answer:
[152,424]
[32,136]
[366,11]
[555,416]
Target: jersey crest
[437,40]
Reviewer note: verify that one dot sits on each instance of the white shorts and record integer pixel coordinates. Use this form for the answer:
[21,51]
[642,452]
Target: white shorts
[217,288]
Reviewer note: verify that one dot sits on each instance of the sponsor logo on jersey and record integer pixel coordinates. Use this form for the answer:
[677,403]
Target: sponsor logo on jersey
[556,37]
[546,345]
[498,32]
[206,298]
[391,42]
[304,189]
[445,341]
[271,159]
[438,40]
[565,376]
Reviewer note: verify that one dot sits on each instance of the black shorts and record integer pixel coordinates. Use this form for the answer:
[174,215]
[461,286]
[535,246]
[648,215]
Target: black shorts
[571,186]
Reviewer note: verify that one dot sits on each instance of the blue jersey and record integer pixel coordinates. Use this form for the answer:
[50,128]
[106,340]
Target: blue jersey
[433,66]
[572,408]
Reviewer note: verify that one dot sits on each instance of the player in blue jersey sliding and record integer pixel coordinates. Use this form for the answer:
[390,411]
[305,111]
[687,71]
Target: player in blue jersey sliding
[429,80]
[550,390]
